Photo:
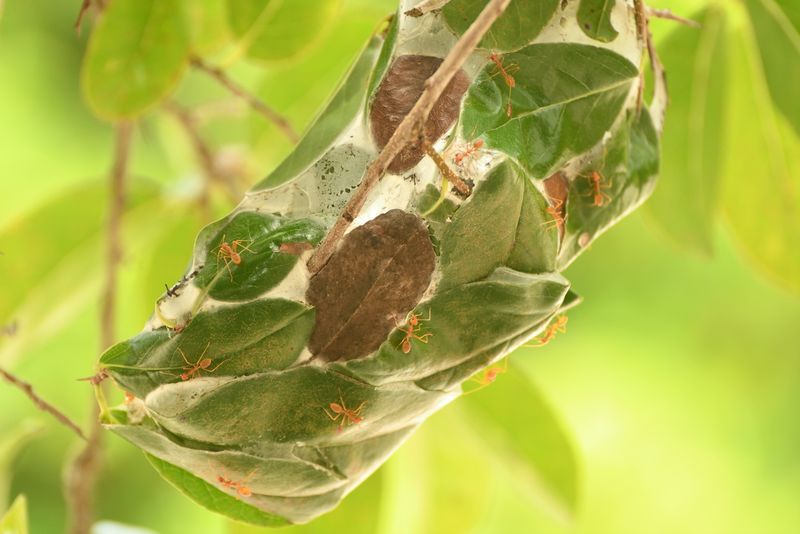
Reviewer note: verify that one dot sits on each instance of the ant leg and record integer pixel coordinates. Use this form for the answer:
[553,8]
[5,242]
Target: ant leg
[190,364]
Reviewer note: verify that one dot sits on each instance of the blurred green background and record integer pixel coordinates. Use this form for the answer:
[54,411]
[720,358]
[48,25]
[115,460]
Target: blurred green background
[679,379]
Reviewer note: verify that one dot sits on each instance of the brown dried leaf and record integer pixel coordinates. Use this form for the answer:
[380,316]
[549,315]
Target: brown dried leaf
[375,278]
[399,91]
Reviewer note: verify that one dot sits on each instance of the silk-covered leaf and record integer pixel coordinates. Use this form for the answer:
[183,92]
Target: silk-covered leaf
[273,30]
[136,56]
[627,175]
[469,326]
[337,114]
[502,223]
[213,498]
[267,335]
[244,259]
[594,18]
[374,279]
[685,202]
[566,97]
[521,22]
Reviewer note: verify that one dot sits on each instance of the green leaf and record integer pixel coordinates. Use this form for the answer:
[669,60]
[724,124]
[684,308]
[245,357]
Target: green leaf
[207,23]
[521,22]
[228,336]
[63,244]
[437,482]
[11,443]
[137,54]
[326,128]
[594,18]
[760,194]
[792,11]
[685,203]
[779,47]
[260,265]
[213,498]
[358,514]
[515,420]
[280,29]
[469,326]
[15,520]
[566,97]
[629,169]
[501,222]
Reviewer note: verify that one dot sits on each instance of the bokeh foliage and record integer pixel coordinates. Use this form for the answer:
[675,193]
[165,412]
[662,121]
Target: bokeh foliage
[687,393]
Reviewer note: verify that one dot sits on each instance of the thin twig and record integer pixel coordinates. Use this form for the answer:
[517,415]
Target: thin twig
[426,6]
[85,5]
[669,15]
[82,475]
[270,114]
[448,173]
[409,128]
[203,152]
[43,404]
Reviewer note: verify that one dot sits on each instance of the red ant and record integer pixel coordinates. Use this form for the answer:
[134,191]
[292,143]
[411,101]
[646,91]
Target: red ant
[461,156]
[489,375]
[599,198]
[413,322]
[341,411]
[505,72]
[230,252]
[240,486]
[202,364]
[555,212]
[96,379]
[559,325]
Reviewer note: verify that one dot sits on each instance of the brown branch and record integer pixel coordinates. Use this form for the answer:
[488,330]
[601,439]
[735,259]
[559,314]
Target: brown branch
[43,404]
[270,114]
[669,15]
[203,153]
[410,128]
[448,173]
[85,5]
[426,6]
[82,475]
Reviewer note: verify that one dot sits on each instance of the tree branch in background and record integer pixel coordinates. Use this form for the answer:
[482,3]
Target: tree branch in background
[270,114]
[204,155]
[85,5]
[43,404]
[669,15]
[411,127]
[82,475]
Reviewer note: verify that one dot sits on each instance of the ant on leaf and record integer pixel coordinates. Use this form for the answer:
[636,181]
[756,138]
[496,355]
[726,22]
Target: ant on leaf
[229,252]
[599,198]
[506,72]
[343,414]
[239,486]
[558,325]
[555,211]
[202,364]
[414,322]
